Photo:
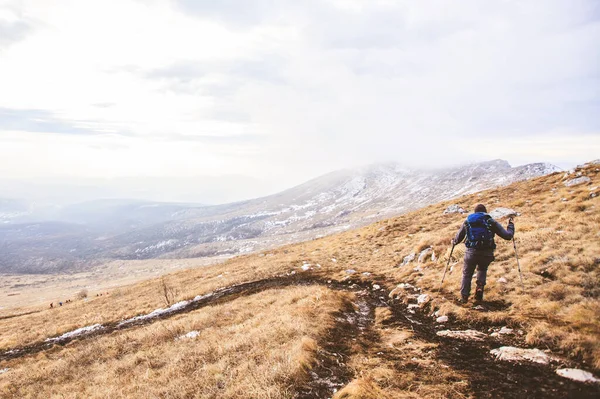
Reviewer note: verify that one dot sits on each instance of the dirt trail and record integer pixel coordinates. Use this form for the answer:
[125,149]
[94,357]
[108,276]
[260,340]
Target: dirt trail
[354,328]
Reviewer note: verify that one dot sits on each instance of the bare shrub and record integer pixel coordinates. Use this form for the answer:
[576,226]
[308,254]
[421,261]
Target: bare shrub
[82,294]
[167,292]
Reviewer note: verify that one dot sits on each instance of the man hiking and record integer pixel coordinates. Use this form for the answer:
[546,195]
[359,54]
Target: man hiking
[479,229]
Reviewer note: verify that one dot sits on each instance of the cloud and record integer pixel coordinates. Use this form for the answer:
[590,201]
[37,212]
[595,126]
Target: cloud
[33,120]
[13,27]
[292,89]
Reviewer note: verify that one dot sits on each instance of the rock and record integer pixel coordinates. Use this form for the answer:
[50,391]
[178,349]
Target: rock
[512,354]
[433,257]
[503,280]
[577,181]
[408,259]
[468,335]
[366,274]
[577,375]
[334,260]
[424,254]
[306,266]
[423,299]
[442,319]
[190,335]
[505,330]
[499,213]
[376,287]
[350,271]
[454,209]
[4,370]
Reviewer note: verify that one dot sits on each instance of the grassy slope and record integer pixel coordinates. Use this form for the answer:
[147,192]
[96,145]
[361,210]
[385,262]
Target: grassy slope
[558,241]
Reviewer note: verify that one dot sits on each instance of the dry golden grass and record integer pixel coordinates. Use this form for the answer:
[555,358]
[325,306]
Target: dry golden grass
[256,346]
[558,243]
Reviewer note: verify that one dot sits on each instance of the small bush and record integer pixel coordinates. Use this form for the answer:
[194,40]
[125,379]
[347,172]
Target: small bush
[82,294]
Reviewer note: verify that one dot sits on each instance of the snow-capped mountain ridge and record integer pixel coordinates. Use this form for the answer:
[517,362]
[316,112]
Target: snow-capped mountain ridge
[334,202]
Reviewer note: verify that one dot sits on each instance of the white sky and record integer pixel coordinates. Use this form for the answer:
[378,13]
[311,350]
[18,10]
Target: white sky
[284,90]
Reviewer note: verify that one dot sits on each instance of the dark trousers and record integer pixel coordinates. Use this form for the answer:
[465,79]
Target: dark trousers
[474,260]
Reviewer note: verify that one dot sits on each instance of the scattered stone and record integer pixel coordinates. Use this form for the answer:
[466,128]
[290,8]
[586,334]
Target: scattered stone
[499,213]
[454,209]
[412,306]
[220,276]
[512,354]
[400,288]
[563,199]
[366,274]
[408,259]
[306,266]
[503,280]
[423,299]
[376,287]
[334,260]
[4,370]
[433,257]
[469,335]
[577,181]
[350,271]
[442,319]
[424,254]
[576,375]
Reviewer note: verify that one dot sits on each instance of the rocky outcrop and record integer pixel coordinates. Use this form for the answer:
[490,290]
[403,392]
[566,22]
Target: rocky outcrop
[577,181]
[454,209]
[499,213]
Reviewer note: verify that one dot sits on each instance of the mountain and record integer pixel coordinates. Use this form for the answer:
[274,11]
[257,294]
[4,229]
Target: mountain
[348,316]
[334,202]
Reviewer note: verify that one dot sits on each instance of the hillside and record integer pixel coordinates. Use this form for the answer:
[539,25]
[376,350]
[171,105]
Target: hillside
[106,230]
[346,316]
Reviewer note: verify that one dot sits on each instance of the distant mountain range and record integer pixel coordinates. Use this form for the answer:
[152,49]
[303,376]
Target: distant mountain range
[75,237]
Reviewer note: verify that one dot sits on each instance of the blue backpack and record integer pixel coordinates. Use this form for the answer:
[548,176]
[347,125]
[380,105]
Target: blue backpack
[479,233]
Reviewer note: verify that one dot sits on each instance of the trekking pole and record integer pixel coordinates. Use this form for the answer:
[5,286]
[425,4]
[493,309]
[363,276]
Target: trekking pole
[448,264]
[518,265]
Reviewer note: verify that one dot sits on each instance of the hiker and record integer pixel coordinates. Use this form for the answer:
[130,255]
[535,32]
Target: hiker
[479,229]
[51,305]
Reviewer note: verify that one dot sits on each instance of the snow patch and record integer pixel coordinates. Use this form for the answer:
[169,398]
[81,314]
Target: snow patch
[469,335]
[76,333]
[157,313]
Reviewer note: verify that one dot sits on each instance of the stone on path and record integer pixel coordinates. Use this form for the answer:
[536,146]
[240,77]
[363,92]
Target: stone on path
[408,258]
[512,354]
[577,375]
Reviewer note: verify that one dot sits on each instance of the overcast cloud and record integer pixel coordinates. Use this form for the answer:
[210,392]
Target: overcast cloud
[284,90]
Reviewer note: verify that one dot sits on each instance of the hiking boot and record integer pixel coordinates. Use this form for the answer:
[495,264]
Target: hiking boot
[479,294]
[463,299]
